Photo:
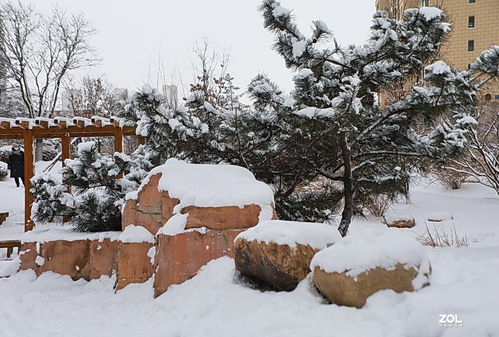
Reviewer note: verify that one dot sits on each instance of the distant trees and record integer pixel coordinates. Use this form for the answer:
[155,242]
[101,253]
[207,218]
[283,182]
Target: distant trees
[39,51]
[92,97]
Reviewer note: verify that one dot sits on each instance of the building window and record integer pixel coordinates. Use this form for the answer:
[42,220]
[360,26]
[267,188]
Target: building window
[471,45]
[471,22]
[472,1]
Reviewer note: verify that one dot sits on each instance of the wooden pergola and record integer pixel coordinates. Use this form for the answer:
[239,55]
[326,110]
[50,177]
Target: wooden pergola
[59,127]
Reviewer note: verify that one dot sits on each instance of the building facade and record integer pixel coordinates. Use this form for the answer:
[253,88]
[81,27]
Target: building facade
[475,27]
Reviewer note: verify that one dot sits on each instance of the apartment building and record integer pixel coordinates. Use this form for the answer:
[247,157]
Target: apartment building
[475,27]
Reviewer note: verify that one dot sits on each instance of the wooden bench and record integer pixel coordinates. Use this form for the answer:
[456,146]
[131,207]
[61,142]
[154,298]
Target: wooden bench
[3,217]
[10,245]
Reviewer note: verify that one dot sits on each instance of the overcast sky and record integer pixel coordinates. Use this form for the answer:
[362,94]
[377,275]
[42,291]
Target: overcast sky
[136,37]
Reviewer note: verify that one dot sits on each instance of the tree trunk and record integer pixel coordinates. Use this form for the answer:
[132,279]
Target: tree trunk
[346,215]
[38,149]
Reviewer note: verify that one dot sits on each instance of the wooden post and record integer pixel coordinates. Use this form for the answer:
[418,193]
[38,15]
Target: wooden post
[118,143]
[66,154]
[28,174]
[65,145]
[118,140]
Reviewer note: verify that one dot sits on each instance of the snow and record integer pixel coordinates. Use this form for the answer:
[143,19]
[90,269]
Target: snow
[430,13]
[39,261]
[206,185]
[370,248]
[217,303]
[151,253]
[135,234]
[12,201]
[279,11]
[439,67]
[290,233]
[175,225]
[311,112]
[43,234]
[9,267]
[299,48]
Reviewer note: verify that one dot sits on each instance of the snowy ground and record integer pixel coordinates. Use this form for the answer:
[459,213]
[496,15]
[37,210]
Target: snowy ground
[12,201]
[464,282]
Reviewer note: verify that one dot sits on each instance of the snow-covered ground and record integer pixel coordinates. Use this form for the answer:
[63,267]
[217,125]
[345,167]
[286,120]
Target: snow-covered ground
[12,201]
[464,282]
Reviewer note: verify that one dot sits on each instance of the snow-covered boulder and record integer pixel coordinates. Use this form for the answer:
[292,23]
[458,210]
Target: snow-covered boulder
[278,253]
[214,197]
[180,256]
[134,262]
[399,222]
[63,251]
[368,261]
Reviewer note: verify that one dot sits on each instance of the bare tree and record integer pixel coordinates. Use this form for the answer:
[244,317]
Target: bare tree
[39,51]
[481,159]
[91,96]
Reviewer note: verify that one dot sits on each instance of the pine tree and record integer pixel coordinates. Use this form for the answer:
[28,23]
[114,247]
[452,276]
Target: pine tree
[97,190]
[354,140]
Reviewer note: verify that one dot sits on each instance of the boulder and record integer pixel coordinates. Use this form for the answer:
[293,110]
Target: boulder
[64,257]
[368,261]
[134,261]
[151,209]
[343,289]
[215,197]
[78,255]
[134,264]
[400,223]
[179,257]
[227,217]
[103,255]
[278,253]
[27,255]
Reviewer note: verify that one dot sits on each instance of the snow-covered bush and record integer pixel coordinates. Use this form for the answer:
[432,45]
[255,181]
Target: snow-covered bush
[97,190]
[3,170]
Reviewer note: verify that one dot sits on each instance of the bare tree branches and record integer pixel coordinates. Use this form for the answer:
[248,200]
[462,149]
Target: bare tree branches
[481,159]
[39,51]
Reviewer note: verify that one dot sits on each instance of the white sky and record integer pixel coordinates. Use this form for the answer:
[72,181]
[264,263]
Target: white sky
[135,37]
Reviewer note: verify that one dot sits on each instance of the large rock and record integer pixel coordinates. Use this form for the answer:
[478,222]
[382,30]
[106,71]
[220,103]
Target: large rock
[367,262]
[179,257]
[150,208]
[27,255]
[66,258]
[227,217]
[78,255]
[278,253]
[103,255]
[216,197]
[134,260]
[400,222]
[343,289]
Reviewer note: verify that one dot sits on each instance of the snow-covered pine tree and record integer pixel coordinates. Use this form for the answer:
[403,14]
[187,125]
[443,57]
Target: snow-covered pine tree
[352,139]
[97,191]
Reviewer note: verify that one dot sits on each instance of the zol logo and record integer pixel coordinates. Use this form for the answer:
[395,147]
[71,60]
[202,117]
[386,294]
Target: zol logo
[450,320]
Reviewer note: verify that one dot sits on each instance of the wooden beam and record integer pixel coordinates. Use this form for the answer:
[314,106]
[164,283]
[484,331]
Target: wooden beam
[28,174]
[66,147]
